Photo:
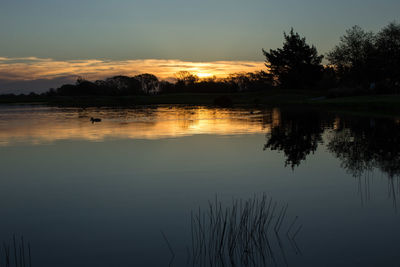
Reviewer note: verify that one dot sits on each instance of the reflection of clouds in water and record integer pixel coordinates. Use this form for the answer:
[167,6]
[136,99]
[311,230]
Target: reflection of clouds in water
[37,125]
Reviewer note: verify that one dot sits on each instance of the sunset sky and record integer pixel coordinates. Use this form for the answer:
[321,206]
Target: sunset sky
[45,43]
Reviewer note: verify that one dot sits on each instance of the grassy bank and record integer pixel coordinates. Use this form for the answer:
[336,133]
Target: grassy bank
[248,98]
[381,104]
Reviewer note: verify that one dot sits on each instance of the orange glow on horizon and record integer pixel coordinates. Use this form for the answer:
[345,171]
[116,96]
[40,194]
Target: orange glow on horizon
[32,68]
[204,75]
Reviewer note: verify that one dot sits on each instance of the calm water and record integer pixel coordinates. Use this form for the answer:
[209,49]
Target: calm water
[120,192]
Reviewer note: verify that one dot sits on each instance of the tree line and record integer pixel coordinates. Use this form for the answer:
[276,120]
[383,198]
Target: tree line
[362,62]
[149,84]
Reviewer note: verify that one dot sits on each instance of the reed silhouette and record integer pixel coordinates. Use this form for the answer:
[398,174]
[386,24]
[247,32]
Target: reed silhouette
[15,252]
[244,233]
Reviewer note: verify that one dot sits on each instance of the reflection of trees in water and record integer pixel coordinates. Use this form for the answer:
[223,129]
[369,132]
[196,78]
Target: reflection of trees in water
[351,151]
[363,145]
[297,135]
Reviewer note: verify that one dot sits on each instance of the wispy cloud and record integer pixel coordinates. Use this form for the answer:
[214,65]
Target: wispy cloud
[32,68]
[43,68]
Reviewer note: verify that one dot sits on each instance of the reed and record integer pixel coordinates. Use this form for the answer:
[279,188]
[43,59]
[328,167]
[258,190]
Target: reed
[240,234]
[15,252]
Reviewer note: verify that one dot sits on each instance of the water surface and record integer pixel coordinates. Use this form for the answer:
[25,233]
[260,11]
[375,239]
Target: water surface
[102,194]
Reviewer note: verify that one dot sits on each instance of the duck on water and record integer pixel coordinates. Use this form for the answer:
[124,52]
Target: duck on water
[93,120]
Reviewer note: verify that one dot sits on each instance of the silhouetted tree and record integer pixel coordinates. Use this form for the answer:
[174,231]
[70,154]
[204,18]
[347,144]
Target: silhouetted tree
[81,87]
[186,77]
[167,87]
[355,57]
[119,85]
[185,81]
[251,81]
[240,80]
[149,83]
[388,47]
[296,65]
[328,79]
[51,92]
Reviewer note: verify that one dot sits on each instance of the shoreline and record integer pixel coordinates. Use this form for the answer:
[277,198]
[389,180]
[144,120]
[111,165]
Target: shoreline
[387,105]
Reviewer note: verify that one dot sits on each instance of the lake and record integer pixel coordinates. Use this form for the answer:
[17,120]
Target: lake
[162,186]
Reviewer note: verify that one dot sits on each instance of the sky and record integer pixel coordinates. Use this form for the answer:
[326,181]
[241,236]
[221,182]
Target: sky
[187,31]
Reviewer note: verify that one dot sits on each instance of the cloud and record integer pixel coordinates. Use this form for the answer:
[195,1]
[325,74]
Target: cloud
[30,73]
[38,85]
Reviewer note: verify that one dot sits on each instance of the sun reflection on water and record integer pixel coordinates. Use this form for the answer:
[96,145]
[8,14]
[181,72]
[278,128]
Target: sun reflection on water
[39,125]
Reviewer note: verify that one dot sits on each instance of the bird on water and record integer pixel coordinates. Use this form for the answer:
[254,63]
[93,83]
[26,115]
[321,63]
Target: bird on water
[93,120]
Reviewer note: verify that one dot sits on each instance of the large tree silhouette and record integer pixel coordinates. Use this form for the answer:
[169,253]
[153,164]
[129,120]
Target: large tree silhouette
[388,50]
[296,65]
[354,57]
